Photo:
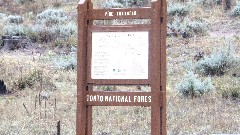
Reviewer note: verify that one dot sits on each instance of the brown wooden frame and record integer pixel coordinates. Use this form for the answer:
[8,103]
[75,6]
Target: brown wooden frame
[157,62]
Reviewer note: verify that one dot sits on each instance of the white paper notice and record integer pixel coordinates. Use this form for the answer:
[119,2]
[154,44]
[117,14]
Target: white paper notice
[120,55]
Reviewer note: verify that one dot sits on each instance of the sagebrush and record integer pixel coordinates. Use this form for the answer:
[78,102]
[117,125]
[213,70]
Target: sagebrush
[180,9]
[219,62]
[192,86]
[52,24]
[66,62]
[51,17]
[236,10]
[15,30]
[186,27]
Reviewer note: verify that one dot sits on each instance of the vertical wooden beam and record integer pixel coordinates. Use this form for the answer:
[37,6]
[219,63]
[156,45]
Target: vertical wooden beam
[81,118]
[89,120]
[163,30]
[155,69]
[90,86]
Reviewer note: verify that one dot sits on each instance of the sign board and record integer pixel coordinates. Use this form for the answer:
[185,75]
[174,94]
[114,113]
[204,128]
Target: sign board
[120,99]
[120,55]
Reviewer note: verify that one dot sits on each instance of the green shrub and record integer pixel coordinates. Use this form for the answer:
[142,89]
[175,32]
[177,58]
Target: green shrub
[127,3]
[23,1]
[52,24]
[42,33]
[33,32]
[186,27]
[112,4]
[197,26]
[12,26]
[66,61]
[236,10]
[2,15]
[179,9]
[67,42]
[29,79]
[51,17]
[15,30]
[218,2]
[192,86]
[14,19]
[233,93]
[218,62]
[66,30]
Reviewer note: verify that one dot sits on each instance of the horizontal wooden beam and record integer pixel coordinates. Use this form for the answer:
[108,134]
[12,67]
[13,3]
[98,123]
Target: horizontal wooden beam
[119,82]
[120,28]
[121,13]
[103,98]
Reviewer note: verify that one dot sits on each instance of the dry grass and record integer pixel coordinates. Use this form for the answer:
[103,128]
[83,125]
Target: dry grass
[37,119]
[121,120]
[206,115]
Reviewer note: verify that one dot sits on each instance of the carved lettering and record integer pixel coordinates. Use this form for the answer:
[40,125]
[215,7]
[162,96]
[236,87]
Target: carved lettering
[122,99]
[121,13]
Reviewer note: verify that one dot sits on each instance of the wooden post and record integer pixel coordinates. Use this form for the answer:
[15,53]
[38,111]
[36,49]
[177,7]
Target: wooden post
[155,70]
[81,120]
[58,128]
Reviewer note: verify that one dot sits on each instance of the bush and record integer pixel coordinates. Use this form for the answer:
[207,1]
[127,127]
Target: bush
[52,24]
[29,80]
[112,4]
[14,19]
[2,15]
[15,30]
[23,1]
[236,10]
[192,86]
[127,3]
[196,26]
[218,62]
[51,17]
[233,93]
[67,30]
[66,62]
[179,9]
[67,42]
[42,33]
[186,27]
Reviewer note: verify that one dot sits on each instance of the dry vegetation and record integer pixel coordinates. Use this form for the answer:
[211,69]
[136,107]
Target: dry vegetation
[41,94]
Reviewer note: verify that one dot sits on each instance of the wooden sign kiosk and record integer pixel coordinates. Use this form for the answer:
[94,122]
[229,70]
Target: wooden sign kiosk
[121,55]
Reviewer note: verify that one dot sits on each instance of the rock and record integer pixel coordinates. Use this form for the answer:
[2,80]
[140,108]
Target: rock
[235,75]
[198,56]
[45,95]
[13,42]
[103,133]
[3,88]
